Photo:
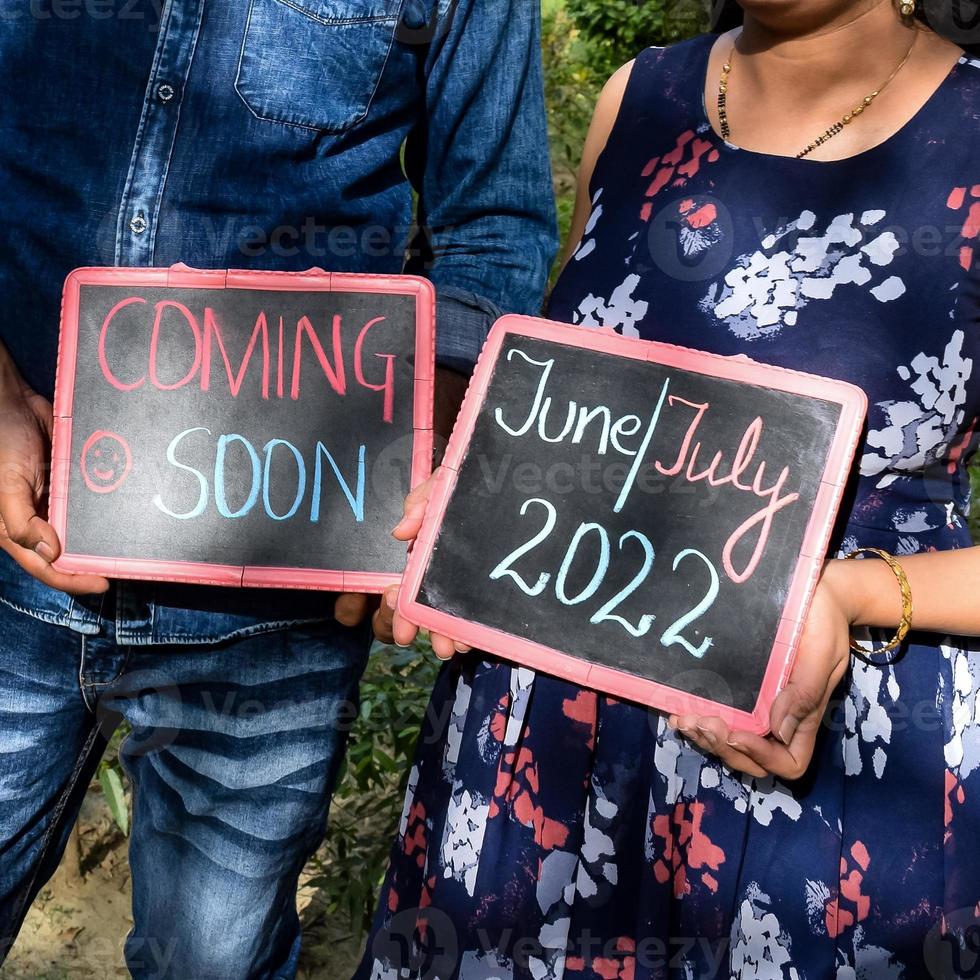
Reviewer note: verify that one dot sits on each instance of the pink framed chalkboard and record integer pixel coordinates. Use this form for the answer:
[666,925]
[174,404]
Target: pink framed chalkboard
[641,519]
[240,428]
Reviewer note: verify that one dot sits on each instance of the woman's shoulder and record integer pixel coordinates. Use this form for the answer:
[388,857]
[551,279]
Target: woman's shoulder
[946,128]
[965,82]
[682,63]
[660,82]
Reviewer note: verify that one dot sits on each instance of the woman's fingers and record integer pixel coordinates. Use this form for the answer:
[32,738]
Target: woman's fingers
[445,648]
[390,626]
[407,528]
[814,677]
[403,632]
[711,736]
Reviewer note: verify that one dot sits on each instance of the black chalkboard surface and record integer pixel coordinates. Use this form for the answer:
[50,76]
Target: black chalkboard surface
[240,428]
[642,519]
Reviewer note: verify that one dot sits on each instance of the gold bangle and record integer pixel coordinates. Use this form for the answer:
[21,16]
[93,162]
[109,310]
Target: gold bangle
[903,583]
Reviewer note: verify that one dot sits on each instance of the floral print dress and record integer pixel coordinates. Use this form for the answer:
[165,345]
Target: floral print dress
[552,832]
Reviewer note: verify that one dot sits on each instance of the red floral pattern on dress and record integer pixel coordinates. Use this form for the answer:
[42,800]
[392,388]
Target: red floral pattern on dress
[518,786]
[971,222]
[687,849]
[677,167]
[955,794]
[851,906]
[414,840]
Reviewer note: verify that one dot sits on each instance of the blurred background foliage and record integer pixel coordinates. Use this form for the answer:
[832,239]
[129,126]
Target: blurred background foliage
[582,43]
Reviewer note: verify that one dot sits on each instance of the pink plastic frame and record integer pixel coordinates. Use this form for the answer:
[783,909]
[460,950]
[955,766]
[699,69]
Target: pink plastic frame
[184,277]
[606,679]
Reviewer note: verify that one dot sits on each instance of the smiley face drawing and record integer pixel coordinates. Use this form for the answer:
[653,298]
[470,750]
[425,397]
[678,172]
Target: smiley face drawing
[106,461]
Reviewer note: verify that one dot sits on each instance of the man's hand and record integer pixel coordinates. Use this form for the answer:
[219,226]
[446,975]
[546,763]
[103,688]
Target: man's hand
[389,625]
[797,713]
[25,439]
[352,608]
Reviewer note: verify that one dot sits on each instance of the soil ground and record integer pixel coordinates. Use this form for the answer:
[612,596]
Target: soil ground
[76,927]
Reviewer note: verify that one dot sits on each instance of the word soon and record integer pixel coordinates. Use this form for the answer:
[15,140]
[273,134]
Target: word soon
[260,479]
[671,636]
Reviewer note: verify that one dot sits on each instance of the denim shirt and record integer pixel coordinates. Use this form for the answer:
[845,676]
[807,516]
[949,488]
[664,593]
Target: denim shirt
[282,134]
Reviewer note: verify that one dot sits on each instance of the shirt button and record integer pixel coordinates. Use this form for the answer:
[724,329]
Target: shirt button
[137,224]
[165,92]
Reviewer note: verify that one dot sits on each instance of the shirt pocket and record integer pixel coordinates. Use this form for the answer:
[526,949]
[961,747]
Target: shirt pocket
[315,63]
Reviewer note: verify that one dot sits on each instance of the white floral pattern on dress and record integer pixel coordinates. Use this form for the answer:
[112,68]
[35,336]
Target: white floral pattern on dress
[919,430]
[761,950]
[466,823]
[872,693]
[588,243]
[962,750]
[622,312]
[797,264]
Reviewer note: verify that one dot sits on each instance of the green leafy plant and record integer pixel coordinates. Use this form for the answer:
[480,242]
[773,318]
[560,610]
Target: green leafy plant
[111,781]
[617,30]
[349,869]
[572,86]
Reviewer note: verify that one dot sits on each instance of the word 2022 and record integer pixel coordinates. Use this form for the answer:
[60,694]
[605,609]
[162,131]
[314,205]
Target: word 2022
[642,519]
[240,428]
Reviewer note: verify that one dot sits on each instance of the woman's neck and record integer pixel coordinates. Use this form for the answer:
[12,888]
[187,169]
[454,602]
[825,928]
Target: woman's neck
[796,74]
[805,56]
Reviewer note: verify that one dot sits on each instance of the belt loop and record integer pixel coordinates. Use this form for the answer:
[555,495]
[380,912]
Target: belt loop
[134,614]
[83,620]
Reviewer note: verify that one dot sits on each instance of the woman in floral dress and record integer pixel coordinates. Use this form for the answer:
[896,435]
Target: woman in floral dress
[550,831]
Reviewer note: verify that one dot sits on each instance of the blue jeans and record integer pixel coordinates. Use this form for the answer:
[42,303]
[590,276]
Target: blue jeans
[233,754]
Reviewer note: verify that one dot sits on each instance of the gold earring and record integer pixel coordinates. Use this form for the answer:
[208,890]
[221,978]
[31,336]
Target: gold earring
[907,8]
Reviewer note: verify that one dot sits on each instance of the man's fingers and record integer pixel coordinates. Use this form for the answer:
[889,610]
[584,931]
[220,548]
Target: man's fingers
[351,608]
[43,411]
[383,618]
[33,543]
[21,522]
[73,584]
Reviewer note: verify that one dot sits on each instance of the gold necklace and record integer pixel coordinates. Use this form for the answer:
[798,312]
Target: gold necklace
[828,133]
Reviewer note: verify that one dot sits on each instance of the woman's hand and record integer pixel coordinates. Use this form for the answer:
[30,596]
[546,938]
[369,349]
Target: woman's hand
[796,715]
[389,625]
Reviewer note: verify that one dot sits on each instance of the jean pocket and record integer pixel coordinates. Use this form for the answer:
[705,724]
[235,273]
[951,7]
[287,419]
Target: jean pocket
[315,63]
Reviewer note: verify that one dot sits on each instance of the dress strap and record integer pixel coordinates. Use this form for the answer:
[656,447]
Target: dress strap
[664,99]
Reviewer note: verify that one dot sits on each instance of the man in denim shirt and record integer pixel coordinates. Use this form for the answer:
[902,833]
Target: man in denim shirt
[255,134]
